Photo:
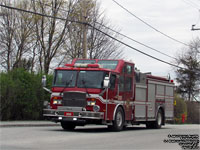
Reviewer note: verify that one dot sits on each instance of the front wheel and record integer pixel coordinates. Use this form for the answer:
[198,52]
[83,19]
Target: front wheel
[68,126]
[118,123]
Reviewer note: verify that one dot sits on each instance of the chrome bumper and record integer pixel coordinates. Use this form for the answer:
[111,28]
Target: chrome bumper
[60,115]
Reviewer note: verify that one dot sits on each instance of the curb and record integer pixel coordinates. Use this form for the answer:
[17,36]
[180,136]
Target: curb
[27,124]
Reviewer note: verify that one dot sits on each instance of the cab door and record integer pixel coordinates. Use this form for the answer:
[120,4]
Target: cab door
[128,90]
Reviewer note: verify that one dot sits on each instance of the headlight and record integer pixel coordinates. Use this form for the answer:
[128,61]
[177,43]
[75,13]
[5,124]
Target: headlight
[91,103]
[57,101]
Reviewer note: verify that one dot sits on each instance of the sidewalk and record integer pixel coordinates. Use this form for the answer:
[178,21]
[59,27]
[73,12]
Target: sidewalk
[27,123]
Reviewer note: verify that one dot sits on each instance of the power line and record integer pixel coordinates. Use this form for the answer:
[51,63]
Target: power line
[194,3]
[44,15]
[191,4]
[149,24]
[137,41]
[138,49]
[127,37]
[198,18]
[18,9]
[51,6]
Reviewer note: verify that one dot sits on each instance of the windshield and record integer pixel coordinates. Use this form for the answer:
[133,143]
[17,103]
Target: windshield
[90,79]
[64,78]
[84,61]
[86,79]
[108,64]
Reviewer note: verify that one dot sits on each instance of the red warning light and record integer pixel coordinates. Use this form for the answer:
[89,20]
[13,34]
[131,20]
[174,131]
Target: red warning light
[69,65]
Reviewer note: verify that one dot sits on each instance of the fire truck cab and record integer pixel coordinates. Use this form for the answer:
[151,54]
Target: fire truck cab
[109,92]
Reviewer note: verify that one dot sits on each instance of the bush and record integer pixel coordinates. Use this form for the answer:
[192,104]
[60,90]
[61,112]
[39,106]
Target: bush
[22,95]
[179,109]
[193,112]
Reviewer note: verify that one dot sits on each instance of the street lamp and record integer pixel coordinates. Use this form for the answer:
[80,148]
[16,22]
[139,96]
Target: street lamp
[194,28]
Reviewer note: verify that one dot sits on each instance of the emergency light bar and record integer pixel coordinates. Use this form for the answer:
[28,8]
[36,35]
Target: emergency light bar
[94,66]
[69,65]
[79,65]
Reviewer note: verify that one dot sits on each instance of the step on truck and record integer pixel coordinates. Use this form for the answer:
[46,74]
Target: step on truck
[108,92]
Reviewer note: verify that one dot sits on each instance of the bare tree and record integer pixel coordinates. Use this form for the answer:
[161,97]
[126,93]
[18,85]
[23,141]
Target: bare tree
[51,33]
[7,28]
[15,37]
[98,44]
[189,79]
[37,42]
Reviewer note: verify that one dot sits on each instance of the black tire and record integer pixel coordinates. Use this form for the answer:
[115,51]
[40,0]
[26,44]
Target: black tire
[150,125]
[156,124]
[159,120]
[118,123]
[68,126]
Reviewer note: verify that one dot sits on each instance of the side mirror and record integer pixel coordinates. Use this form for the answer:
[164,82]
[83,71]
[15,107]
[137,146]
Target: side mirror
[46,104]
[106,82]
[44,80]
[44,83]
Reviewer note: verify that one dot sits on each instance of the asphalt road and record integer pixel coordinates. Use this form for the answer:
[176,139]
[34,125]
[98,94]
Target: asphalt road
[93,137]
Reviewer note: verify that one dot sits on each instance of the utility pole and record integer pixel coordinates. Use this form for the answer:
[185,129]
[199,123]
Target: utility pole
[84,35]
[86,6]
[194,28]
[84,16]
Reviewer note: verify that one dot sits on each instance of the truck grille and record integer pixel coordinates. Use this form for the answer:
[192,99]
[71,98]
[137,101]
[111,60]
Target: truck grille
[74,99]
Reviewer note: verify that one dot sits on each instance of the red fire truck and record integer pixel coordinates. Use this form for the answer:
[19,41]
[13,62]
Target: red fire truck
[108,92]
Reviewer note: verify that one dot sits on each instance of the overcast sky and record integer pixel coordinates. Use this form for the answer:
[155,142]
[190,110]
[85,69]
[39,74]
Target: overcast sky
[172,17]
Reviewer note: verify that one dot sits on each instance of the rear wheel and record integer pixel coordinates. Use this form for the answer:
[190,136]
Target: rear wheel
[118,123]
[159,119]
[68,125]
[150,125]
[156,124]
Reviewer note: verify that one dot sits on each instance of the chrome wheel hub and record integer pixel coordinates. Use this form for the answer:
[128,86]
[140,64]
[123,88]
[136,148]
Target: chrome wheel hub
[159,119]
[119,119]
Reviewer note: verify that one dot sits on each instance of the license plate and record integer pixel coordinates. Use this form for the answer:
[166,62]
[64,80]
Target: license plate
[68,114]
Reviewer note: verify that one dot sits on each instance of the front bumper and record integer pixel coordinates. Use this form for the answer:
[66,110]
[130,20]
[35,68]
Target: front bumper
[61,115]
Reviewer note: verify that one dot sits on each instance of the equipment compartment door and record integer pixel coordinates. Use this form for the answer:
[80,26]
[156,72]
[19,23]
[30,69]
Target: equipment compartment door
[140,102]
[151,101]
[169,102]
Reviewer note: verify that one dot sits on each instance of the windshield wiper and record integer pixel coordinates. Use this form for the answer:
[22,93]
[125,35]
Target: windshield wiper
[67,83]
[83,81]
